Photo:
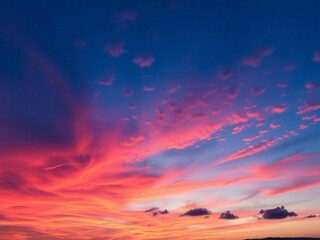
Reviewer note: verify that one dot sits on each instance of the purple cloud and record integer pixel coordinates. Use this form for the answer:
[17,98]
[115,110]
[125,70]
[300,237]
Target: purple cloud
[127,92]
[173,88]
[116,49]
[255,60]
[256,91]
[107,81]
[143,61]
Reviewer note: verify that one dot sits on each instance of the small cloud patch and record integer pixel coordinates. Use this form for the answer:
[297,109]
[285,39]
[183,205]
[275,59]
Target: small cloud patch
[197,212]
[276,213]
[228,215]
[155,211]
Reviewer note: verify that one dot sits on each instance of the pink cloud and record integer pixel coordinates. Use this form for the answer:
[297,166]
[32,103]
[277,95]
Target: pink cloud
[249,105]
[264,131]
[308,107]
[224,75]
[233,92]
[133,140]
[298,185]
[255,60]
[116,49]
[170,104]
[173,88]
[148,89]
[239,129]
[249,139]
[263,145]
[316,57]
[238,118]
[312,86]
[215,111]
[303,126]
[312,117]
[279,108]
[143,61]
[274,125]
[257,91]
[107,81]
[255,114]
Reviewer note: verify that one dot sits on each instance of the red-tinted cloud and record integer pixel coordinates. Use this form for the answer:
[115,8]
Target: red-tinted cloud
[275,125]
[125,16]
[308,107]
[279,108]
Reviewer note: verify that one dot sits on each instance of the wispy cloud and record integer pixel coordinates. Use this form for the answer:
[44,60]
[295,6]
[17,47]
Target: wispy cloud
[143,61]
[255,60]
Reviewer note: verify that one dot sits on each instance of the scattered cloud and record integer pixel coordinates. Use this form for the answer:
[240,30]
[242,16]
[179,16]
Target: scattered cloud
[238,118]
[309,107]
[276,213]
[254,137]
[303,126]
[275,125]
[224,75]
[233,92]
[228,215]
[255,60]
[311,216]
[239,129]
[173,88]
[312,86]
[263,145]
[115,49]
[127,92]
[316,57]
[279,108]
[256,91]
[133,140]
[197,212]
[143,61]
[148,89]
[131,106]
[107,81]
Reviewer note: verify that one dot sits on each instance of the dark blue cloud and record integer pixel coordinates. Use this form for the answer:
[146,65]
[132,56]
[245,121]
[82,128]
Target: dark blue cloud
[228,215]
[276,213]
[197,212]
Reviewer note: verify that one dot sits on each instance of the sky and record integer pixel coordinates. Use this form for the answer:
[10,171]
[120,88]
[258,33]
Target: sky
[158,119]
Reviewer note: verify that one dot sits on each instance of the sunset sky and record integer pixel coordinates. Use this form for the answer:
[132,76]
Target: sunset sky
[109,109]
